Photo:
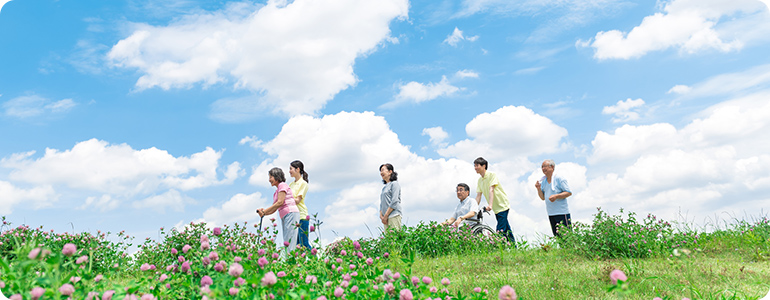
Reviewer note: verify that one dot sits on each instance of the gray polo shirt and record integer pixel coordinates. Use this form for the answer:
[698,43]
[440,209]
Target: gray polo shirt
[391,197]
[466,205]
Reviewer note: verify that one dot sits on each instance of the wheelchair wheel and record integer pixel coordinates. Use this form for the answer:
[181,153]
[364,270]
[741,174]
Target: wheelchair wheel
[482,229]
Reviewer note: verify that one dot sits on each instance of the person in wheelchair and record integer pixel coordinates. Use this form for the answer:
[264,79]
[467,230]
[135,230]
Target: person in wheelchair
[466,210]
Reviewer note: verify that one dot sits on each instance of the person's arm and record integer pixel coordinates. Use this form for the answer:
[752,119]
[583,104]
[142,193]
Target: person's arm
[491,197]
[300,195]
[539,190]
[462,218]
[387,214]
[449,221]
[478,198]
[558,196]
[394,196]
[564,187]
[272,208]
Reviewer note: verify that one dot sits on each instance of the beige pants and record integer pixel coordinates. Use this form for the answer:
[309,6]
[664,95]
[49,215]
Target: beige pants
[394,223]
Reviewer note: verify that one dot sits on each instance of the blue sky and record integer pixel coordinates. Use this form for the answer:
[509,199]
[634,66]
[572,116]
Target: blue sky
[140,114]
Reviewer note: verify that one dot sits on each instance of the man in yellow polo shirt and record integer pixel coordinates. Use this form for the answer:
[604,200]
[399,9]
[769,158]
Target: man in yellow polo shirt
[490,187]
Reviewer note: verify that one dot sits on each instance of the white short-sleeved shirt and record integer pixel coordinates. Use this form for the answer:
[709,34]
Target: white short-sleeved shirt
[465,206]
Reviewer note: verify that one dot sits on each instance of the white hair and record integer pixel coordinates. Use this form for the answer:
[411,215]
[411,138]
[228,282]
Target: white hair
[550,162]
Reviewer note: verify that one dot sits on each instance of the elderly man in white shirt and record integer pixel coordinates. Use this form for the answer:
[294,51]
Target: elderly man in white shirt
[465,210]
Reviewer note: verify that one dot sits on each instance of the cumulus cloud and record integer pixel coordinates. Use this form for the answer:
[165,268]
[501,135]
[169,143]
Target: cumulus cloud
[457,36]
[689,25]
[715,157]
[293,56]
[628,142]
[104,203]
[415,92]
[348,149]
[35,106]
[363,138]
[508,131]
[172,199]
[624,111]
[95,165]
[35,198]
[437,135]
[240,208]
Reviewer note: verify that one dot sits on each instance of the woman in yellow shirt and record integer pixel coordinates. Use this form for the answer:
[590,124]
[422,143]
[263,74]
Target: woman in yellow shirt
[299,189]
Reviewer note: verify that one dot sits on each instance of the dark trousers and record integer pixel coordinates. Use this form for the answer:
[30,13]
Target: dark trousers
[302,236]
[503,227]
[565,220]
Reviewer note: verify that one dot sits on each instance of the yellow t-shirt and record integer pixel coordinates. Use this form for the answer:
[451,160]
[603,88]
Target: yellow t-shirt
[299,188]
[501,199]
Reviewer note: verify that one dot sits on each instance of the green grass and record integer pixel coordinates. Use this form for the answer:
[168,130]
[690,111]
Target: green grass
[715,273]
[724,263]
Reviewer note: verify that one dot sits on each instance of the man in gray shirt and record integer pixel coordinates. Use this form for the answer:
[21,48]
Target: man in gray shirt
[465,210]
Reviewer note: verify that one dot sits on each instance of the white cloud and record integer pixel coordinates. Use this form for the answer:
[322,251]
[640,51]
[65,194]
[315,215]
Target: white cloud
[528,71]
[61,106]
[624,111]
[415,92]
[172,199]
[751,80]
[437,135]
[2,3]
[363,140]
[629,142]
[36,197]
[95,165]
[714,163]
[348,149]
[509,131]
[680,89]
[296,56]
[462,74]
[240,208]
[35,105]
[104,203]
[553,16]
[457,36]
[689,25]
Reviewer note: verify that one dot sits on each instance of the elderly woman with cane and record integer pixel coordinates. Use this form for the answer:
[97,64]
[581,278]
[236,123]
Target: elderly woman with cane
[283,202]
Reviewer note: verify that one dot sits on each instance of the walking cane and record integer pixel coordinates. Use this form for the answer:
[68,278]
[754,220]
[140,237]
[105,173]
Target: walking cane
[260,228]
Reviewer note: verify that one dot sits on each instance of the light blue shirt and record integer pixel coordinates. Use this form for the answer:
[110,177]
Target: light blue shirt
[558,185]
[391,198]
[465,206]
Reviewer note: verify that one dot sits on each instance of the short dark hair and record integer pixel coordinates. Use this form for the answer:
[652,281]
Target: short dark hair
[277,174]
[393,176]
[464,186]
[482,162]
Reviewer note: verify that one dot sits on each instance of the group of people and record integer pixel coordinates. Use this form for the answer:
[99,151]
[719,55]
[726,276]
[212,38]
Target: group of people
[289,200]
[553,188]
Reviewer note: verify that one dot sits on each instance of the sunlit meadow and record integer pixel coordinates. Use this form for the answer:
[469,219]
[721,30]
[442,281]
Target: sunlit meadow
[615,257]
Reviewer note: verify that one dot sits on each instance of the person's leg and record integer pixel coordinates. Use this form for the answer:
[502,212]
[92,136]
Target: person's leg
[567,222]
[303,239]
[554,220]
[503,227]
[564,220]
[290,222]
[394,222]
